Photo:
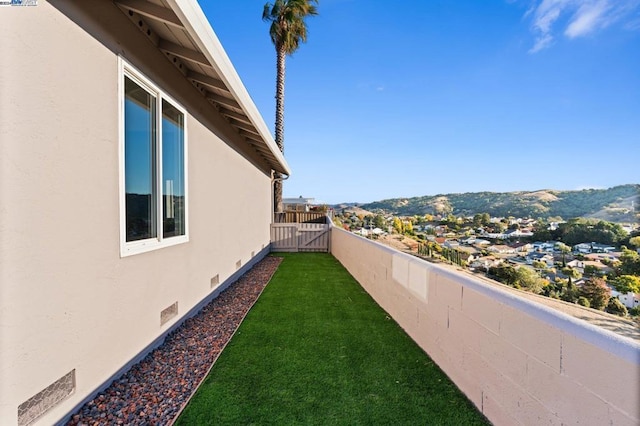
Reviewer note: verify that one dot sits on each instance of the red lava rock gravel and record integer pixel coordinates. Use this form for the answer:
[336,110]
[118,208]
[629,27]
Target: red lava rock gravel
[154,391]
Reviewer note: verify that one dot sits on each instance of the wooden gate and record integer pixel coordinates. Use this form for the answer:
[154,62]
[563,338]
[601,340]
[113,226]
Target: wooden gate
[300,237]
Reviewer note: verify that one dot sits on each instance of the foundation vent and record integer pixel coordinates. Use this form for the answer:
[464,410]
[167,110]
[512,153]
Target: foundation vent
[253,253]
[168,313]
[215,280]
[238,264]
[46,399]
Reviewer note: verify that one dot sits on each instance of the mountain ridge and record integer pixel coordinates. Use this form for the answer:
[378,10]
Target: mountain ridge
[620,203]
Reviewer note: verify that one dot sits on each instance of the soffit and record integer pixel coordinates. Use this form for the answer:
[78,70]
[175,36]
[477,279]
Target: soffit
[179,29]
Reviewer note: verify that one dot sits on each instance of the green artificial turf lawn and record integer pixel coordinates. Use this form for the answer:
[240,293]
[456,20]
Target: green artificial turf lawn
[316,349]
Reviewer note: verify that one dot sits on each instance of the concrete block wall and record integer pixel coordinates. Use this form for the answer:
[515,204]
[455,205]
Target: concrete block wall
[518,361]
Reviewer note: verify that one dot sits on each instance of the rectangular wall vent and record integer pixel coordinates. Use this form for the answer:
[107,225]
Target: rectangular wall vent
[215,280]
[47,398]
[168,313]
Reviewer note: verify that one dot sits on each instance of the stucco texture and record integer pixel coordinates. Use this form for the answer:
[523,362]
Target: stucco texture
[68,299]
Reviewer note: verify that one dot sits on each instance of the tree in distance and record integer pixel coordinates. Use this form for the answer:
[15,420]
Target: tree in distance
[627,284]
[597,292]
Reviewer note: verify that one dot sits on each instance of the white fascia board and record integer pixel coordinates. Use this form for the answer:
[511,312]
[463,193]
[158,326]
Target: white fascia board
[196,23]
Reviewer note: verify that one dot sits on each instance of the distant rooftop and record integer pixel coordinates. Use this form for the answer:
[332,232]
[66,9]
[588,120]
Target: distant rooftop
[299,200]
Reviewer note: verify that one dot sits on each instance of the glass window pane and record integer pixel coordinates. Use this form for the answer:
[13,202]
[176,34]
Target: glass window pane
[173,187]
[140,162]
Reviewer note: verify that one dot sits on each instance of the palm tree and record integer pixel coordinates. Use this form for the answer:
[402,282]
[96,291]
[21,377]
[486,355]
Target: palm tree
[564,249]
[288,29]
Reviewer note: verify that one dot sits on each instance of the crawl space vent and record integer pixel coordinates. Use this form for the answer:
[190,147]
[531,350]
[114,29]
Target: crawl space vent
[47,398]
[168,313]
[215,280]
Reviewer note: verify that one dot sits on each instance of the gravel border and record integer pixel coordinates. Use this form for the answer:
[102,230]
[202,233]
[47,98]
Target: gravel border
[156,390]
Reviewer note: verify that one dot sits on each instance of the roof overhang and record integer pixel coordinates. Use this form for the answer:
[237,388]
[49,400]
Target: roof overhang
[182,32]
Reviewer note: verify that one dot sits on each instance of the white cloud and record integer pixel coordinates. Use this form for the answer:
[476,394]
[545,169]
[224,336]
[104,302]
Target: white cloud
[542,42]
[547,13]
[587,19]
[577,18]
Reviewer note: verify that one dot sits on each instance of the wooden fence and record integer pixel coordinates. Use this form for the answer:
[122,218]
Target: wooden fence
[300,237]
[300,217]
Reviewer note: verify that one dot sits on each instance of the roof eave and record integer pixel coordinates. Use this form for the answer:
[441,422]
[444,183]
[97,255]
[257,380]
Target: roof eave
[197,25]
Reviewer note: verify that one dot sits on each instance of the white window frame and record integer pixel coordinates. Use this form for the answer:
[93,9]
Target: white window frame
[143,246]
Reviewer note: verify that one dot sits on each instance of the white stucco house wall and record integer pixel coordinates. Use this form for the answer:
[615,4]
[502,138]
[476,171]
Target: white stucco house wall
[135,183]
[298,204]
[629,300]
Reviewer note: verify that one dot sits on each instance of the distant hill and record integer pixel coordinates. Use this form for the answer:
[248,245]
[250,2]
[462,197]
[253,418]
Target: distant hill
[612,204]
[352,207]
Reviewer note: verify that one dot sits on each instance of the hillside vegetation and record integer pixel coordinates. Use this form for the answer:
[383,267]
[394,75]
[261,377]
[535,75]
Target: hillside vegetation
[612,204]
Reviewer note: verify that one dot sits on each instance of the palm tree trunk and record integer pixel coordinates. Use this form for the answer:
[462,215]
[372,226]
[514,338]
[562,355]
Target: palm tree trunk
[277,185]
[277,193]
[280,99]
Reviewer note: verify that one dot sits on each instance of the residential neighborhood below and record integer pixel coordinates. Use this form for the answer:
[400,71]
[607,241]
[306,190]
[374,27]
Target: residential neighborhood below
[589,262]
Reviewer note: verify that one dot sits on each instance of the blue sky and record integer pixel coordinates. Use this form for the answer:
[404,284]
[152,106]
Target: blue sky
[401,99]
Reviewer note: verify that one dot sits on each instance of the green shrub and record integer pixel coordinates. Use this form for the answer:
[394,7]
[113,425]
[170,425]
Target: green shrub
[583,301]
[616,307]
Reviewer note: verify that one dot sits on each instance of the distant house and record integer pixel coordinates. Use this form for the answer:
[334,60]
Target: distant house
[452,244]
[586,248]
[366,232]
[517,260]
[576,264]
[602,248]
[518,233]
[604,257]
[468,254]
[539,257]
[630,300]
[362,231]
[501,249]
[580,266]
[553,226]
[495,235]
[522,247]
[512,233]
[526,232]
[582,248]
[485,262]
[299,204]
[137,179]
[545,246]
